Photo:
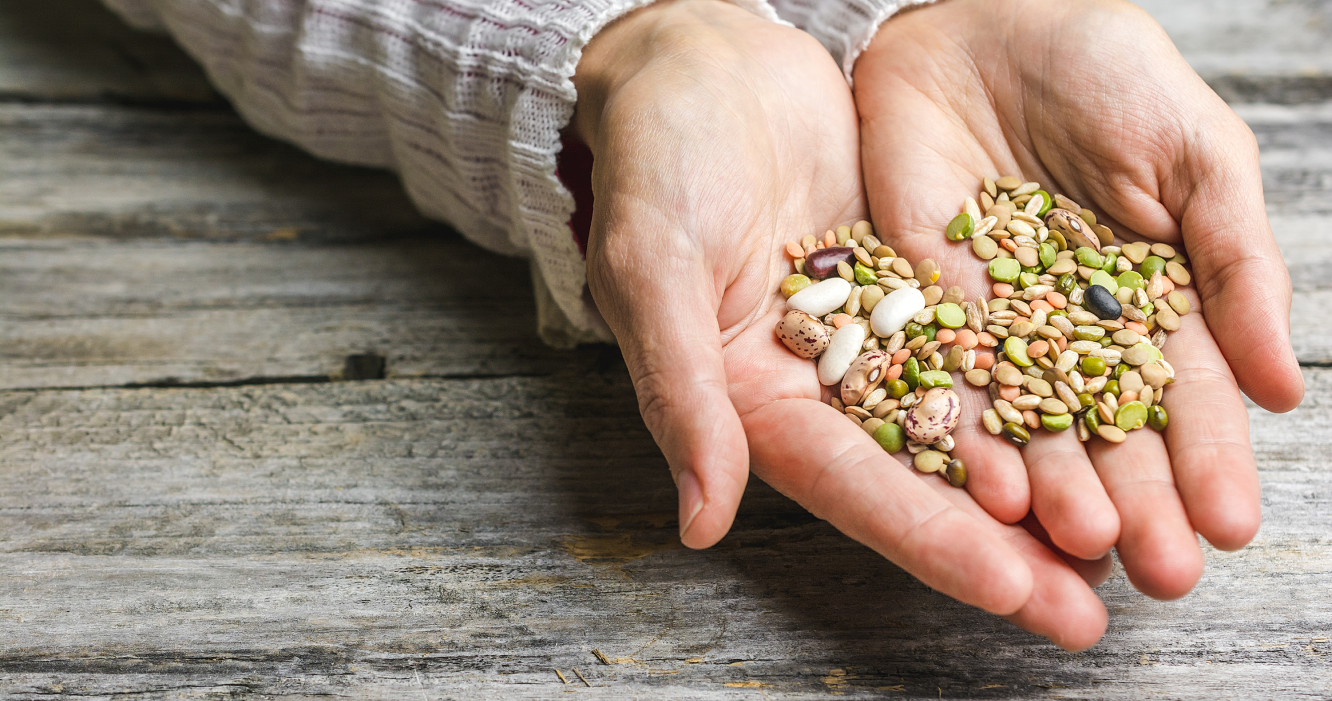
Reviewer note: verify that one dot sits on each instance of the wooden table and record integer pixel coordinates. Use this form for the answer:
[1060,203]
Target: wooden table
[258,440]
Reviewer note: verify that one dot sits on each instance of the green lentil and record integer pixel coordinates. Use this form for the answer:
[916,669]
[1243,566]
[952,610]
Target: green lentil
[1086,401]
[1048,255]
[1093,366]
[1130,279]
[1005,269]
[1112,387]
[1093,421]
[1130,416]
[1106,342]
[1066,284]
[1017,435]
[1088,257]
[890,437]
[1016,350]
[1110,264]
[936,378]
[1102,278]
[865,275]
[1152,264]
[793,284]
[1047,202]
[1088,333]
[1056,422]
[1157,418]
[950,315]
[961,227]
[930,332]
[956,472]
[911,373]
[897,388]
[912,330]
[1120,369]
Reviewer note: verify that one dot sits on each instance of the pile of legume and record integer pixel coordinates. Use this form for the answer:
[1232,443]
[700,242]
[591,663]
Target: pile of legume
[886,337]
[1082,322]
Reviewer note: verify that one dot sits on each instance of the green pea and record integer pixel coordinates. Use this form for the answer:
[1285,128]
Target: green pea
[1093,367]
[793,284]
[1106,342]
[950,315]
[1092,420]
[1005,269]
[897,388]
[1089,257]
[1086,401]
[1048,255]
[1047,202]
[1112,387]
[912,330]
[865,275]
[1109,267]
[1056,422]
[1120,369]
[1157,418]
[1130,279]
[1016,350]
[1017,435]
[930,332]
[961,228]
[1088,333]
[1151,264]
[1102,278]
[935,378]
[1066,284]
[1026,280]
[1130,416]
[911,373]
[890,437]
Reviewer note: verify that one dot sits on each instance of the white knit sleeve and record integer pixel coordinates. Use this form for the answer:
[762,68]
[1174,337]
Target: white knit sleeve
[844,27]
[465,99]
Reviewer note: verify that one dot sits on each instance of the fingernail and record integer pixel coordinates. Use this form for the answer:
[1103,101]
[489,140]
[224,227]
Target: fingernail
[691,499]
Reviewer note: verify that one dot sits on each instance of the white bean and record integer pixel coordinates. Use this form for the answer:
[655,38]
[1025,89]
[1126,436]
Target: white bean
[842,349]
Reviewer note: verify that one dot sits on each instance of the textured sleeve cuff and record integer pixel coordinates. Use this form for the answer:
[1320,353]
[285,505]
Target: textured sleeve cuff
[844,27]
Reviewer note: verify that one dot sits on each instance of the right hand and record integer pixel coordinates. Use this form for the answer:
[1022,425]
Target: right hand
[718,137]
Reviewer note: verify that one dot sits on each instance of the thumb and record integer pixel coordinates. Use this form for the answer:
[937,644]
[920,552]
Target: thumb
[668,332]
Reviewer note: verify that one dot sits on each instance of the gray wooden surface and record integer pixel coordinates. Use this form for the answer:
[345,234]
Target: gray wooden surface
[195,503]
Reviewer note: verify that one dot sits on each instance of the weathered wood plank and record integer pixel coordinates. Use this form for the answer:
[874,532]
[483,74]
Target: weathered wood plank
[77,51]
[80,313]
[349,538]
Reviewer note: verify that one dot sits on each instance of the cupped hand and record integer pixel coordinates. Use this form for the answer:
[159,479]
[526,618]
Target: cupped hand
[718,137]
[1091,98]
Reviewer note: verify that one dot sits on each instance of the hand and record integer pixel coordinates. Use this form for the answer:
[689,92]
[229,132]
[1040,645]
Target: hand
[1091,97]
[718,137]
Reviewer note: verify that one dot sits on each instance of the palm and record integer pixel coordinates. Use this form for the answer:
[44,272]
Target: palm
[705,168]
[1056,97]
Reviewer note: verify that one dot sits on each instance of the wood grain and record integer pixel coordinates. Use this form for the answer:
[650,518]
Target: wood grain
[494,510]
[344,538]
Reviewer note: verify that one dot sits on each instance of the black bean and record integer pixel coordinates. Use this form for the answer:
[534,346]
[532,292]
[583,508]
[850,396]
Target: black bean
[1100,302]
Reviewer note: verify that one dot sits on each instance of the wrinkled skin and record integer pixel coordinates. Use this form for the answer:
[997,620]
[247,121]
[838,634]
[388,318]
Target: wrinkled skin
[718,137]
[1092,98]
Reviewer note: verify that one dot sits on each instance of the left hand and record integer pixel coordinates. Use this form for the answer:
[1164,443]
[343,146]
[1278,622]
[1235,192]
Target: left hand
[1090,98]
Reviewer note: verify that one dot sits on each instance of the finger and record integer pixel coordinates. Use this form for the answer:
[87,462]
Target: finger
[1067,496]
[672,347]
[1157,544]
[909,175]
[994,466]
[1093,572]
[1238,269]
[1208,438]
[1062,606]
[812,453]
